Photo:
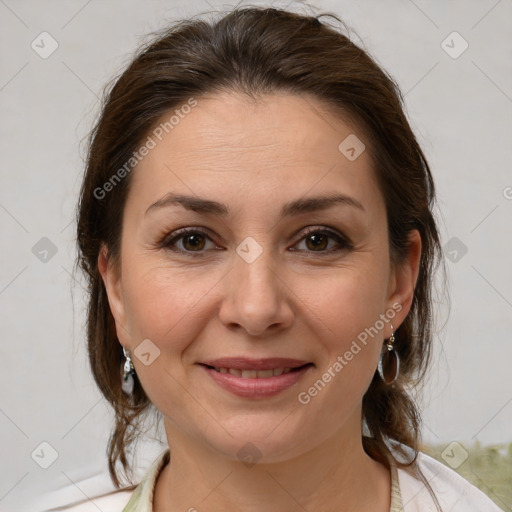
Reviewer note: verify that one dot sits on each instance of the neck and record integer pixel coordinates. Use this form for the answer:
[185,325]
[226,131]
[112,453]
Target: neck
[336,475]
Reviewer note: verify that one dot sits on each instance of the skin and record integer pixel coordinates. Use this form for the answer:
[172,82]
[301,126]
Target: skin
[307,303]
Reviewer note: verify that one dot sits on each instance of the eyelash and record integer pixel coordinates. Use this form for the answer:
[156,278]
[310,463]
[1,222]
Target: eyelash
[171,239]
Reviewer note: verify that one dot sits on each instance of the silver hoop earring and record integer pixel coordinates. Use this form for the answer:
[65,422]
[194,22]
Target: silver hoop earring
[128,372]
[389,362]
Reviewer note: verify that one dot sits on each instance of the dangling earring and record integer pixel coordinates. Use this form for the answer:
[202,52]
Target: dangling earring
[389,362]
[127,374]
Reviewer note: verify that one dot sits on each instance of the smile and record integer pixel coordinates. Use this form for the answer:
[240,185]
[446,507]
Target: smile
[256,379]
[254,374]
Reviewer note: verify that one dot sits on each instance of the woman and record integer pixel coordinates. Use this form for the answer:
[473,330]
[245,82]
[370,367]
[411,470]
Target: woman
[256,226]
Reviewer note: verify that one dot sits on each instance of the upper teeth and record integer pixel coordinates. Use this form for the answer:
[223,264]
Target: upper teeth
[254,374]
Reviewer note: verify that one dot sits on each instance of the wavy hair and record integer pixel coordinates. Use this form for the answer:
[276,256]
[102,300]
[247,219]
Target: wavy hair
[257,51]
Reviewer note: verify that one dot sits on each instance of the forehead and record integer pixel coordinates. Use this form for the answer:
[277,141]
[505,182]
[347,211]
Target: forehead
[237,149]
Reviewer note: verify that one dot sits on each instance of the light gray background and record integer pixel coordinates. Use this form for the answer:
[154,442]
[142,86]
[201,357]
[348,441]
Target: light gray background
[460,109]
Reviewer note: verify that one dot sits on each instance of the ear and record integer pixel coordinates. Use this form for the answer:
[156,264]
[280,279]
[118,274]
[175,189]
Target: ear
[403,279]
[111,276]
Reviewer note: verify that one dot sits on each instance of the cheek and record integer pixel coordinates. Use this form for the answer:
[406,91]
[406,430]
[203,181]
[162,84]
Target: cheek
[169,305]
[165,307]
[349,313]
[349,303]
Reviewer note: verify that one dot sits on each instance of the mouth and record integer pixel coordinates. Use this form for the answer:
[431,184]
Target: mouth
[257,374]
[256,378]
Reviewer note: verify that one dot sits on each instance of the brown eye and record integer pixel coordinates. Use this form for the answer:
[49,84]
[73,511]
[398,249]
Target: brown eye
[193,242]
[188,241]
[318,241]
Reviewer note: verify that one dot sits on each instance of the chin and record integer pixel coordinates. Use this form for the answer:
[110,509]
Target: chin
[264,439]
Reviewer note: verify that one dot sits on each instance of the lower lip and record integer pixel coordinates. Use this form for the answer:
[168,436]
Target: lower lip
[256,388]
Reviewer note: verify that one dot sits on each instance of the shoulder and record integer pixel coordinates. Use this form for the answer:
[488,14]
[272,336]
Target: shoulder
[454,493]
[128,499]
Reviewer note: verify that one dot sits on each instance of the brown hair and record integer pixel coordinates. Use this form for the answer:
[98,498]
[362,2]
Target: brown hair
[256,51]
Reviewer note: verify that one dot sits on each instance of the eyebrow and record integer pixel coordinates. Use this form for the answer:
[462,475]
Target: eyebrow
[297,207]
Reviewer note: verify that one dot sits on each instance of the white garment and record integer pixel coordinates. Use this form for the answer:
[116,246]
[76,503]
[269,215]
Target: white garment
[454,493]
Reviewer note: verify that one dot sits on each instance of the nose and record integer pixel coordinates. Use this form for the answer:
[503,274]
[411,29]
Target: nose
[257,297]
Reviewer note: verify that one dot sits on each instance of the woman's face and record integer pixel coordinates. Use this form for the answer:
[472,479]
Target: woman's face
[285,264]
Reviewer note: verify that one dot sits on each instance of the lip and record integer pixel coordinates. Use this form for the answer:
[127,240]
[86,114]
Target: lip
[243,363]
[256,388]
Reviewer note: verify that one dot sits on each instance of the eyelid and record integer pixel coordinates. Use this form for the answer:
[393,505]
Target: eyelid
[331,232]
[181,233]
[178,234]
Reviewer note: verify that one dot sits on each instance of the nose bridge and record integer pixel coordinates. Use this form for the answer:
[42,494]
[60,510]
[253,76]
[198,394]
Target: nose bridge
[255,273]
[256,298]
